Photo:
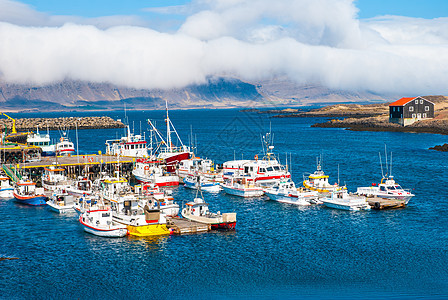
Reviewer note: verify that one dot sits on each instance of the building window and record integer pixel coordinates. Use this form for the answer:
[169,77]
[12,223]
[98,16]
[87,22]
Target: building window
[413,116]
[416,101]
[421,101]
[424,115]
[394,108]
[411,108]
[427,108]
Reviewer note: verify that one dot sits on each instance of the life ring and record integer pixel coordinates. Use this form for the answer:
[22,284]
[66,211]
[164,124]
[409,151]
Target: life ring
[90,159]
[146,168]
[256,156]
[61,139]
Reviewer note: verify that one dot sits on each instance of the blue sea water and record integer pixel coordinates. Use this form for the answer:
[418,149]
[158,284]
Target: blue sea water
[277,251]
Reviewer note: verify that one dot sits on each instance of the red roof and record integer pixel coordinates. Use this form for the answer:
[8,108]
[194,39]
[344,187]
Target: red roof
[402,101]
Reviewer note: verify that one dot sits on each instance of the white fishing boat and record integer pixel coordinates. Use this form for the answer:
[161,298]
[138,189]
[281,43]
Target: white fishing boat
[319,182]
[42,141]
[101,223]
[152,196]
[198,211]
[266,171]
[341,199]
[6,189]
[133,145]
[193,181]
[285,191]
[147,171]
[387,189]
[54,178]
[90,202]
[61,202]
[242,186]
[80,187]
[203,167]
[65,147]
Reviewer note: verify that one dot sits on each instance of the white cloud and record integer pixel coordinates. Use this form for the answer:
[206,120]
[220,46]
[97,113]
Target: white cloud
[310,41]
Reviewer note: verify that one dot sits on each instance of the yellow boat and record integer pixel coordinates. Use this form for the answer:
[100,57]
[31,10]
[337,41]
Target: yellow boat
[148,230]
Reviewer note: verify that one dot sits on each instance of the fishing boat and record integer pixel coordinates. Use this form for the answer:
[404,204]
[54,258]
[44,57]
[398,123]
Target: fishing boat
[42,141]
[193,181]
[387,189]
[147,171]
[65,147]
[285,191]
[198,211]
[319,182]
[203,167]
[152,196]
[26,192]
[140,221]
[100,223]
[133,145]
[90,202]
[266,171]
[341,199]
[172,155]
[242,186]
[82,186]
[61,202]
[6,189]
[54,178]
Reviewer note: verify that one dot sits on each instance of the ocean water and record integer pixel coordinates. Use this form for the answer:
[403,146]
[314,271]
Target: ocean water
[278,251]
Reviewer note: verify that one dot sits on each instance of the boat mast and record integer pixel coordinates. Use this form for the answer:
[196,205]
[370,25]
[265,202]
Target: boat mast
[168,132]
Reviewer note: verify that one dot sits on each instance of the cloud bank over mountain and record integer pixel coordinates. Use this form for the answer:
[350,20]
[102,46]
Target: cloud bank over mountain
[319,41]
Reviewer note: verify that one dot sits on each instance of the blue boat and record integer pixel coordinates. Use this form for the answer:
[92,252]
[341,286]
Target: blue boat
[26,192]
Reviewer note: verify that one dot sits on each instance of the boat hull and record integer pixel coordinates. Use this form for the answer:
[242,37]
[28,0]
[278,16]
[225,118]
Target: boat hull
[208,187]
[59,209]
[346,206]
[31,200]
[288,199]
[224,226]
[7,193]
[112,231]
[246,193]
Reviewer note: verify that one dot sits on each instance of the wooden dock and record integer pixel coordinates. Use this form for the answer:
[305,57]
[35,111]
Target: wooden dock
[183,226]
[382,203]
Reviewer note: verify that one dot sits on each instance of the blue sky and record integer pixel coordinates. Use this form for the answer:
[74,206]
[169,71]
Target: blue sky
[367,8]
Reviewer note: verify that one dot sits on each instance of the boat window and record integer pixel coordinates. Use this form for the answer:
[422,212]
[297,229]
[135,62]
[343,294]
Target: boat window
[391,188]
[246,169]
[262,170]
[277,168]
[398,187]
[269,169]
[382,188]
[282,167]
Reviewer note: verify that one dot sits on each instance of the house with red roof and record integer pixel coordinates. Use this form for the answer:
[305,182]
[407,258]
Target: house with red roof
[406,111]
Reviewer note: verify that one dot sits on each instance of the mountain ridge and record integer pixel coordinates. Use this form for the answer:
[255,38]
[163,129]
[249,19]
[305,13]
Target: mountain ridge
[218,92]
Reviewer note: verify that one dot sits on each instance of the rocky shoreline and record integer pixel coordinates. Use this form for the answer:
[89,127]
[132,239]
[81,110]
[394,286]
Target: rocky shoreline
[30,124]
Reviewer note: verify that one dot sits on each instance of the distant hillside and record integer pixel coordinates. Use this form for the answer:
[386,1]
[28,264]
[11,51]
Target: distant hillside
[223,92]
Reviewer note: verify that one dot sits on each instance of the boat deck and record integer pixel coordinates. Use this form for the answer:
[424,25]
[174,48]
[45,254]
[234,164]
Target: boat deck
[184,226]
[381,203]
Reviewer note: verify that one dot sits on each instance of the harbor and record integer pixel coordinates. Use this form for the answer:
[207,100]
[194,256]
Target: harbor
[261,223]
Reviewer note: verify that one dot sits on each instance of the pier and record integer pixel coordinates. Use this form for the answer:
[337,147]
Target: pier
[382,203]
[89,165]
[183,226]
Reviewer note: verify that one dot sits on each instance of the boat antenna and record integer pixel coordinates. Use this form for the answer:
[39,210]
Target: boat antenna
[286,161]
[290,162]
[390,164]
[385,151]
[338,174]
[381,164]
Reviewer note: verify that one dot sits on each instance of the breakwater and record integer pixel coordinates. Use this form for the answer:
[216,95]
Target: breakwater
[30,124]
